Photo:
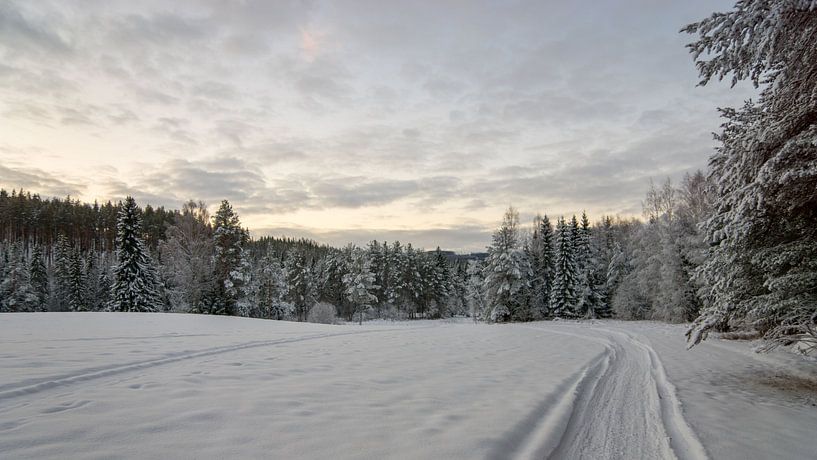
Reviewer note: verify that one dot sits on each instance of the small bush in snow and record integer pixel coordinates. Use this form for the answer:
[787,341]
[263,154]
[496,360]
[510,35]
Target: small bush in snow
[323,313]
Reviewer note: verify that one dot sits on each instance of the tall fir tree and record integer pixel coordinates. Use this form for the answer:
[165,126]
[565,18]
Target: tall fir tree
[38,276]
[134,287]
[762,267]
[269,290]
[77,288]
[302,290]
[229,239]
[563,296]
[585,289]
[359,282]
[62,269]
[16,291]
[542,265]
[506,271]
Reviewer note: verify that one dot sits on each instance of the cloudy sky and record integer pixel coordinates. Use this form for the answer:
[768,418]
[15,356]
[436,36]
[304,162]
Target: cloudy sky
[346,121]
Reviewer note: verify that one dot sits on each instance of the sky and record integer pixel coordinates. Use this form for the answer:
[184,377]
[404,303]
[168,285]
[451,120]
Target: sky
[347,121]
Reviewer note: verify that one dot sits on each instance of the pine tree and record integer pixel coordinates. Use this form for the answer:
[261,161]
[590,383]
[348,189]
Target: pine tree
[440,284]
[585,290]
[302,292]
[270,289]
[563,296]
[360,283]
[16,291]
[410,291]
[506,271]
[62,268]
[378,261]
[229,240]
[134,287]
[475,289]
[77,290]
[329,281]
[387,277]
[762,267]
[38,277]
[545,268]
[104,286]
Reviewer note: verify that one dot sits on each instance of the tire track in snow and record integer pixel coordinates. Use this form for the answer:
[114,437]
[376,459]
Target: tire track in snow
[27,388]
[620,406]
[539,434]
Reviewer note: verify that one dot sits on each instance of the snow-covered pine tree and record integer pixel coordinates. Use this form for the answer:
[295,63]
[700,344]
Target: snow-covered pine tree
[229,239]
[506,271]
[62,264]
[410,282]
[102,297]
[302,291]
[38,277]
[762,268]
[329,280]
[475,289]
[440,284]
[134,287]
[563,295]
[16,291]
[533,251]
[545,269]
[602,246]
[388,280]
[77,288]
[457,299]
[377,258]
[269,289]
[586,299]
[360,283]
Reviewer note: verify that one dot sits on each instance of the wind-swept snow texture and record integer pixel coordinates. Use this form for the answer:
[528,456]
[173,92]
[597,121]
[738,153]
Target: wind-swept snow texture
[130,385]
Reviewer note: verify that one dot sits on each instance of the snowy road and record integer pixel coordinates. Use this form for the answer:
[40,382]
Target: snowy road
[622,406]
[144,386]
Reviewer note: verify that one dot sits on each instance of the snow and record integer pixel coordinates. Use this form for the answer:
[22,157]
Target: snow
[100,385]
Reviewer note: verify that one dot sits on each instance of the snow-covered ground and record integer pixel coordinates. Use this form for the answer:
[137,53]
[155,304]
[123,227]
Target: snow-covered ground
[99,385]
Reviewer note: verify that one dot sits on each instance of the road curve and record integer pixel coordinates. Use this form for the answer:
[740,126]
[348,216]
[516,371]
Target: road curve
[621,406]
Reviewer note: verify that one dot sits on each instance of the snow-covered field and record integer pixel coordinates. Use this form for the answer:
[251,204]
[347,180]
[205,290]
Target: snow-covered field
[99,385]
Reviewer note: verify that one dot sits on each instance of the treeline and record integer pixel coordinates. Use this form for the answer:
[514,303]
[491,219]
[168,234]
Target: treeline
[32,220]
[626,268]
[200,264]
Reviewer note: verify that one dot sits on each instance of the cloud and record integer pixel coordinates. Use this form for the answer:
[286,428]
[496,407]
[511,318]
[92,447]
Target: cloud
[464,238]
[446,112]
[37,181]
[22,33]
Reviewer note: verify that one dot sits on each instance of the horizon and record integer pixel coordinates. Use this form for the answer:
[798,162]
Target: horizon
[347,124]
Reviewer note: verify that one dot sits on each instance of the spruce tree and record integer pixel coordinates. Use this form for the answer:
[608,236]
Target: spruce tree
[38,276]
[761,270]
[475,289]
[377,258]
[359,282]
[302,291]
[62,268]
[77,293]
[563,296]
[542,261]
[506,271]
[229,240]
[16,291]
[440,285]
[269,288]
[134,287]
[585,290]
